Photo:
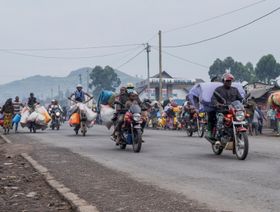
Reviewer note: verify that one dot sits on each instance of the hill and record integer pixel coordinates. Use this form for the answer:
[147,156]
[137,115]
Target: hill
[47,86]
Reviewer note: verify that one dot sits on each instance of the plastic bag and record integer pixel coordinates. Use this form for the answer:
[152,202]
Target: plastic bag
[40,119]
[104,97]
[74,119]
[24,116]
[32,116]
[106,113]
[90,114]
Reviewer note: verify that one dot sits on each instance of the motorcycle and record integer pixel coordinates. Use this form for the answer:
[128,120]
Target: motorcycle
[55,114]
[230,132]
[131,130]
[197,123]
[82,125]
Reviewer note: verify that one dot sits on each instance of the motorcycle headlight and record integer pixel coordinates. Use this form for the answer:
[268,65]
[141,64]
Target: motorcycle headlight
[57,113]
[201,115]
[240,116]
[136,117]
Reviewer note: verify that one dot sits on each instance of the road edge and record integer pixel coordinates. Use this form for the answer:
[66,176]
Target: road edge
[78,203]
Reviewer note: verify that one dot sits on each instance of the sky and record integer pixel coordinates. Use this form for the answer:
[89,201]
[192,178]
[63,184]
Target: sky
[42,24]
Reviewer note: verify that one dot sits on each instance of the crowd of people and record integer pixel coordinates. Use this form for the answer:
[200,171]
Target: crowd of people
[165,115]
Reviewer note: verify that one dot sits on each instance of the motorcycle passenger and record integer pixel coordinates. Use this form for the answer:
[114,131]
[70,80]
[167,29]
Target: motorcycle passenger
[223,95]
[79,94]
[120,110]
[32,101]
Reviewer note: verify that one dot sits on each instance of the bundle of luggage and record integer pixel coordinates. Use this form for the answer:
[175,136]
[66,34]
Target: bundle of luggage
[39,116]
[105,106]
[274,99]
[75,118]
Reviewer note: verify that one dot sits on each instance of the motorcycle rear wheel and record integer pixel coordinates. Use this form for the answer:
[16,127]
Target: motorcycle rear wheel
[241,146]
[137,140]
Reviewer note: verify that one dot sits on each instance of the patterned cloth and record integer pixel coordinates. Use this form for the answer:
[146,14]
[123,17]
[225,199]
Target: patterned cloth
[7,120]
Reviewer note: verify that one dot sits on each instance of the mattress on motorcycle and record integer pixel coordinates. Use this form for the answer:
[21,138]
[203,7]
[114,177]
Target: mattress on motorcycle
[204,91]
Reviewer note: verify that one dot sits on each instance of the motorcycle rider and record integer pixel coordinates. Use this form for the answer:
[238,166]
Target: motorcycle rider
[79,94]
[223,95]
[54,104]
[120,110]
[32,101]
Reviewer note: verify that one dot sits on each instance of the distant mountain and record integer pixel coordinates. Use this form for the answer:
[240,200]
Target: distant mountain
[48,86]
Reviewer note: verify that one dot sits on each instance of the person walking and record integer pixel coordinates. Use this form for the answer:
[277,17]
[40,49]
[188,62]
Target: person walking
[7,110]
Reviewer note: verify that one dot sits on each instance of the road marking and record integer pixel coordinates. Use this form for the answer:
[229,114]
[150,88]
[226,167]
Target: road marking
[79,204]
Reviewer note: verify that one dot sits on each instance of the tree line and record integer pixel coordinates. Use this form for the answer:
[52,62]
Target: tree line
[267,69]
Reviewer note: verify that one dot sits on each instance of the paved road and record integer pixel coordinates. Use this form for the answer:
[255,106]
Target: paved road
[172,161]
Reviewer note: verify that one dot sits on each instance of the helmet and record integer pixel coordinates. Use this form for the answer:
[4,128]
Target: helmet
[228,77]
[53,101]
[79,86]
[129,85]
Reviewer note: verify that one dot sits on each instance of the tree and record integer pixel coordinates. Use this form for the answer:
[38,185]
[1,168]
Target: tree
[267,69]
[217,69]
[103,79]
[241,72]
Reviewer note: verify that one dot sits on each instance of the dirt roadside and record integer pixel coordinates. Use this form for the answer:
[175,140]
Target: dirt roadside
[22,188]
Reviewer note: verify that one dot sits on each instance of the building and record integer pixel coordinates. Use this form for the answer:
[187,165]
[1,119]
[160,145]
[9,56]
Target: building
[260,92]
[171,87]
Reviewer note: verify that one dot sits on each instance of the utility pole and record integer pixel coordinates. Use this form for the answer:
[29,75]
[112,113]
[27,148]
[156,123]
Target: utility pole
[80,78]
[148,50]
[87,81]
[160,67]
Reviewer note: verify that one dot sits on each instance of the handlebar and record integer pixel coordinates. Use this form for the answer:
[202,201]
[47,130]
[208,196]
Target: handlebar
[73,100]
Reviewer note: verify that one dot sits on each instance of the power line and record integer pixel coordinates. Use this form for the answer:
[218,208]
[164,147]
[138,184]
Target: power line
[72,48]
[130,59]
[71,58]
[223,34]
[214,17]
[184,59]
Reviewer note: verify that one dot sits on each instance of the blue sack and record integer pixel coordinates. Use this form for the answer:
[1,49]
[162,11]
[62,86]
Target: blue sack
[105,96]
[16,118]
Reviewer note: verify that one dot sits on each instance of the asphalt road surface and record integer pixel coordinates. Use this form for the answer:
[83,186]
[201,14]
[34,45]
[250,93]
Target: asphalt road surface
[171,161]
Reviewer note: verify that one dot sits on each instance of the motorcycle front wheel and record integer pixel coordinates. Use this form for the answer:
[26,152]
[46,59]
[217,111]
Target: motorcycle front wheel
[218,150]
[137,140]
[189,130]
[241,145]
[200,129]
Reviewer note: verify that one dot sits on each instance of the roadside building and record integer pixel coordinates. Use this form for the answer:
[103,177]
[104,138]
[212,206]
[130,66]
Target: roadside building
[177,88]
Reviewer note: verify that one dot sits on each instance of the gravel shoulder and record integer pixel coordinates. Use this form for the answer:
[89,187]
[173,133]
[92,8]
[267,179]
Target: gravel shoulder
[22,188]
[107,189]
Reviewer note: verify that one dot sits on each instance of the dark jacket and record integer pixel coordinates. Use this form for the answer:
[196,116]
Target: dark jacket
[7,108]
[31,102]
[230,95]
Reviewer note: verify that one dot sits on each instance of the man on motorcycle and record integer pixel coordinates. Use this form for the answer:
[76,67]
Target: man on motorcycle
[223,95]
[79,94]
[54,105]
[32,101]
